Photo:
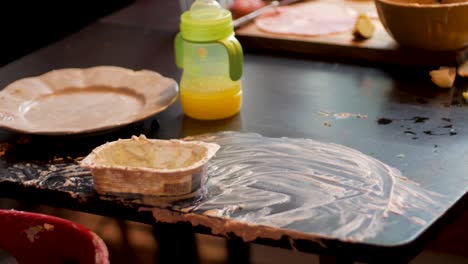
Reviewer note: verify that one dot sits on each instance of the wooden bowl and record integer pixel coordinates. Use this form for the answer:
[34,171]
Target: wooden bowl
[426,24]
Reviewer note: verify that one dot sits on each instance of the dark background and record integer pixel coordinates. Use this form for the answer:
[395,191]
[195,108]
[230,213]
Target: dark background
[26,26]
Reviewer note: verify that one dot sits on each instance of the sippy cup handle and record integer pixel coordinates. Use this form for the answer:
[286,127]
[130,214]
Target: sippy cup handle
[179,50]
[233,48]
[236,57]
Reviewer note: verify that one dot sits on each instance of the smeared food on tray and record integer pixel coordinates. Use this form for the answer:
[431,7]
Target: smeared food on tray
[266,187]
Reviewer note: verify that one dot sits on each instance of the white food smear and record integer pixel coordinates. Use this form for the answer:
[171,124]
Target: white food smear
[302,187]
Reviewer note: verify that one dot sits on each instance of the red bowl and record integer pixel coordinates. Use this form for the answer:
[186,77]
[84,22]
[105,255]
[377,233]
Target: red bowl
[39,238]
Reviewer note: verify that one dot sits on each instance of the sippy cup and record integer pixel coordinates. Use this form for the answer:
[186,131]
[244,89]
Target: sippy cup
[211,59]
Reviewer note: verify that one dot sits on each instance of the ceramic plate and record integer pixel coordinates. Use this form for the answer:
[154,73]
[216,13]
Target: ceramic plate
[72,101]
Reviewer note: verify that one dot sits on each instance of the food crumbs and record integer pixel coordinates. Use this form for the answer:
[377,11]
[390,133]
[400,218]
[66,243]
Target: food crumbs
[48,227]
[32,232]
[68,183]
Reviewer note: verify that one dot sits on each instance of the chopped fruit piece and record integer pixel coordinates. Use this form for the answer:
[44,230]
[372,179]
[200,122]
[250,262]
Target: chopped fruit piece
[463,69]
[363,28]
[465,95]
[443,77]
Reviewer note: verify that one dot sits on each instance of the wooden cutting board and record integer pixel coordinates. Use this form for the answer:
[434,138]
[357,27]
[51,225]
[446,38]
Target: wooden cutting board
[381,48]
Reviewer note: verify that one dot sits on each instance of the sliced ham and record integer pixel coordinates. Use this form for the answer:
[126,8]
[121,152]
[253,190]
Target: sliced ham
[308,19]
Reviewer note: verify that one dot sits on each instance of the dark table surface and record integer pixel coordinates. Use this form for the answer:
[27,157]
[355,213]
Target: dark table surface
[409,124]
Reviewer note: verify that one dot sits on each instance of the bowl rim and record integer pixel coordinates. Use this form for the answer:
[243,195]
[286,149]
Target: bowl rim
[416,5]
[211,148]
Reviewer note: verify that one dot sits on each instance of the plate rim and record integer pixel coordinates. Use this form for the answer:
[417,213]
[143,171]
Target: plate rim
[142,115]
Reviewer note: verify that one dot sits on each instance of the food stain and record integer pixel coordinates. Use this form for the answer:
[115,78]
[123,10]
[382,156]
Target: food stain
[419,119]
[416,119]
[33,232]
[384,121]
[430,133]
[342,115]
[6,117]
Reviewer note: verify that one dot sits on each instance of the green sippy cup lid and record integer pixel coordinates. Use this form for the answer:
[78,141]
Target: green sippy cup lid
[206,21]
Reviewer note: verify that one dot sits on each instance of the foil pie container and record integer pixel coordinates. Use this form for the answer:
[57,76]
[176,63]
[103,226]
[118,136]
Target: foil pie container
[149,166]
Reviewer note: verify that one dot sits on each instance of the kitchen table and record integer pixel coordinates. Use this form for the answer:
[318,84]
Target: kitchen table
[391,113]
